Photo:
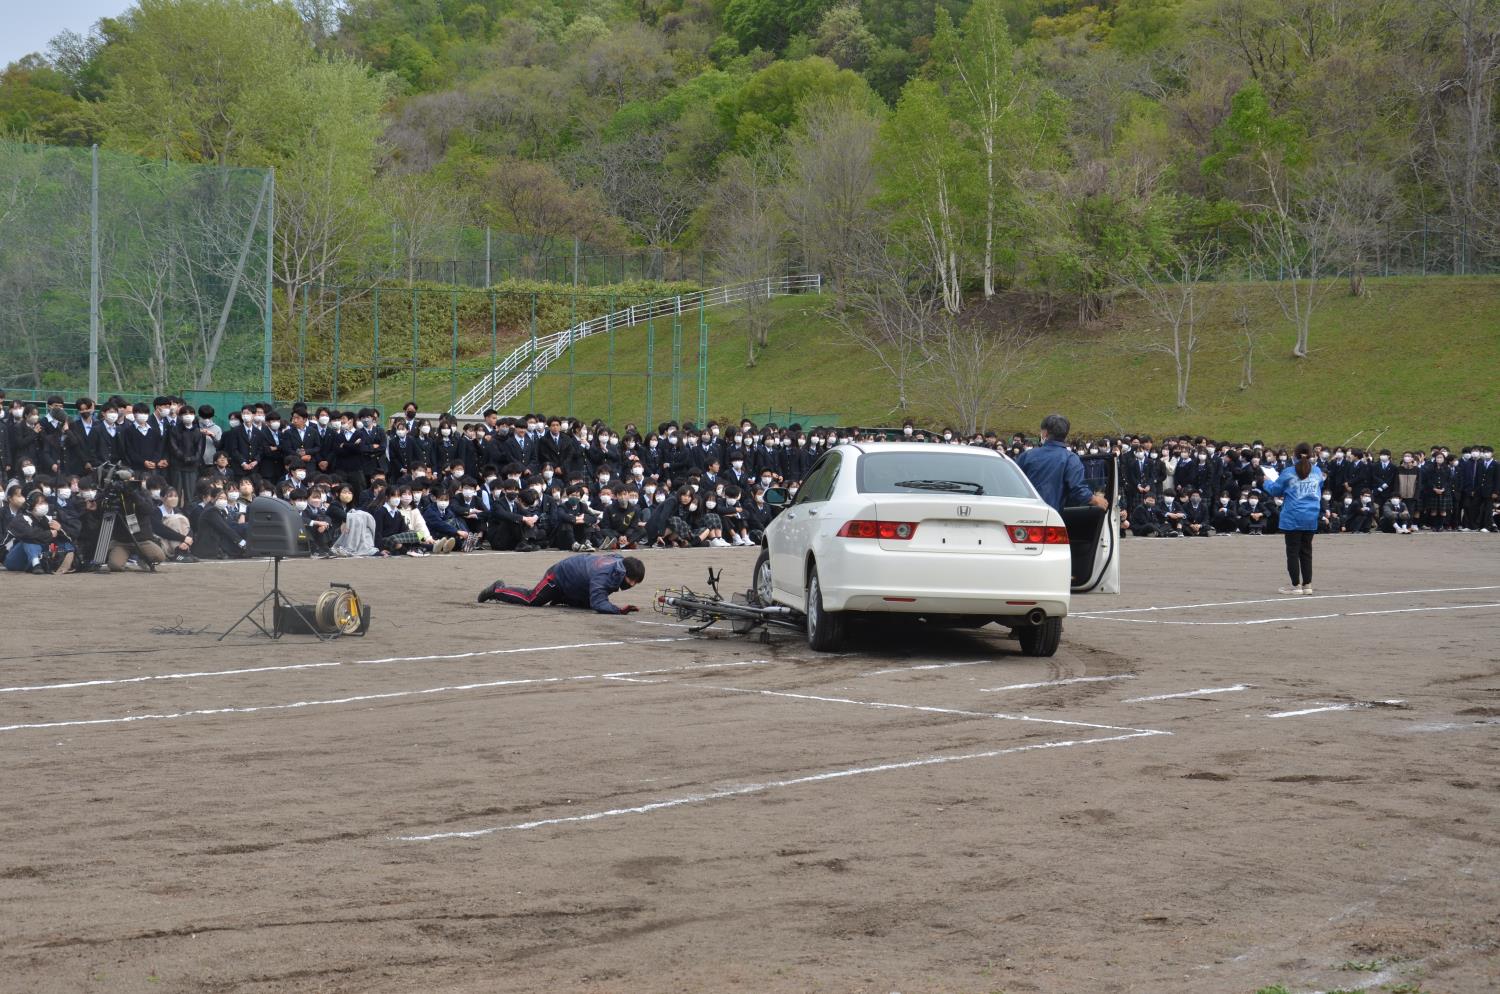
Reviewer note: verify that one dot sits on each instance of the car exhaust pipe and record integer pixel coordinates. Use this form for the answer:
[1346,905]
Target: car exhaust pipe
[1036,616]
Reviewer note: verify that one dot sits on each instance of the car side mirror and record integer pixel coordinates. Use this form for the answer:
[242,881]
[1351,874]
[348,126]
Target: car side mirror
[776,496]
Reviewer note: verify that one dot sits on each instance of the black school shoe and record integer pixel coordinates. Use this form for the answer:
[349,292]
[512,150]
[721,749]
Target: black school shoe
[488,593]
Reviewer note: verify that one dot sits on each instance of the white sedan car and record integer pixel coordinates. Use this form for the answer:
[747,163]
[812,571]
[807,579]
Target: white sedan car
[954,534]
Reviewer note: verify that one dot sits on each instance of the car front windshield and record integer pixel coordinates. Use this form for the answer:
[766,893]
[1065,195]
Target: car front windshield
[940,471]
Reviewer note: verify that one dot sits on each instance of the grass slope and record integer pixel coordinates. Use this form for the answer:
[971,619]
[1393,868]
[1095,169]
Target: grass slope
[1418,356]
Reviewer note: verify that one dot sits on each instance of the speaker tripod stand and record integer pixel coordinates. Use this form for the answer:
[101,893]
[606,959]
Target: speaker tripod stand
[281,605]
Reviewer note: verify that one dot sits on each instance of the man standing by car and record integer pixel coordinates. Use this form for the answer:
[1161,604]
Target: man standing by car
[1055,470]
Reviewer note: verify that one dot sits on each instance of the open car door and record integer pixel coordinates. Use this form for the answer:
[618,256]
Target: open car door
[1094,533]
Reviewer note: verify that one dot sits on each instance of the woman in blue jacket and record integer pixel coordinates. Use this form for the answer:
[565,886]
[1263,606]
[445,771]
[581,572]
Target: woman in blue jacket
[1301,486]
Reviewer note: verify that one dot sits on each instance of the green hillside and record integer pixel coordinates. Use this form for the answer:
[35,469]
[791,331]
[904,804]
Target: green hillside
[1416,356]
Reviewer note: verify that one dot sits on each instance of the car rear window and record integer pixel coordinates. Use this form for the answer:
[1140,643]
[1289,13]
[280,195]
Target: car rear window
[882,472]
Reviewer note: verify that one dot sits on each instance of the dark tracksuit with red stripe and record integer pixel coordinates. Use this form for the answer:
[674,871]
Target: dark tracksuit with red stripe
[579,581]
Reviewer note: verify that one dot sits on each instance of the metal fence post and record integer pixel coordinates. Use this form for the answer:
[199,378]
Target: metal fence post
[494,347]
[302,347]
[375,354]
[270,271]
[531,373]
[572,351]
[94,274]
[702,365]
[453,378]
[677,365]
[416,340]
[338,310]
[650,364]
[609,403]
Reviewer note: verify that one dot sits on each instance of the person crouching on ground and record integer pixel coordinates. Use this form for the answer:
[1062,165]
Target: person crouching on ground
[583,580]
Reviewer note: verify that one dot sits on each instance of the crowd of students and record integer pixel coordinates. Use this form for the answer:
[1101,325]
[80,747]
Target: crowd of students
[416,486]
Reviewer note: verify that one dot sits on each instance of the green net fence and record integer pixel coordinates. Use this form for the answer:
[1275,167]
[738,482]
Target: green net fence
[167,261]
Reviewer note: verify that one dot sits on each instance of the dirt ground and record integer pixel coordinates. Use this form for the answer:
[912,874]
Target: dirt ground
[1211,788]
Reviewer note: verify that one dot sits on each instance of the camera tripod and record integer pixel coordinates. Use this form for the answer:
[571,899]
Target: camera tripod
[107,537]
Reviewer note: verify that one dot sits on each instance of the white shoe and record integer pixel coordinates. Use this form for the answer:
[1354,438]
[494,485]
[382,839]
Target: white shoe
[1289,590]
[1307,590]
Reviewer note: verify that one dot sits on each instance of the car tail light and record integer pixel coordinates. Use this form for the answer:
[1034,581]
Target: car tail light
[1037,534]
[891,530]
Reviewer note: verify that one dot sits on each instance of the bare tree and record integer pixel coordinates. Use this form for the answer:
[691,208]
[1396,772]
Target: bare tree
[1466,146]
[1247,332]
[748,234]
[830,180]
[1361,200]
[654,201]
[972,366]
[1172,293]
[1298,242]
[887,304]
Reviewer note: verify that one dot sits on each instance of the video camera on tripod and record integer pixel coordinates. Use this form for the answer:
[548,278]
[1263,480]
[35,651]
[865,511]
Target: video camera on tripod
[124,512]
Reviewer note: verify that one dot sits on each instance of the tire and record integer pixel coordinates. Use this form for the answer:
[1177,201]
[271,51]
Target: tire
[825,629]
[1040,640]
[760,581]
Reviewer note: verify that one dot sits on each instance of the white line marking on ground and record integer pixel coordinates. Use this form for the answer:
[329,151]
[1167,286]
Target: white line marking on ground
[924,666]
[1057,683]
[920,707]
[1349,706]
[362,698]
[73,685]
[1189,693]
[1255,621]
[1302,617]
[1410,610]
[1273,600]
[759,788]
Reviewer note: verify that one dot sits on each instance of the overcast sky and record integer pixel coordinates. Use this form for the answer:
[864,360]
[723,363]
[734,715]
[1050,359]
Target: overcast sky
[27,25]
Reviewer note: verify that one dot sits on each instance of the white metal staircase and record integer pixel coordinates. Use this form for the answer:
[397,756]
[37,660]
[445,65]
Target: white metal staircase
[505,382]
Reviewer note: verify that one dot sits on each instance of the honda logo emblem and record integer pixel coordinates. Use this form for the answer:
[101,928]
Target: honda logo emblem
[964,510]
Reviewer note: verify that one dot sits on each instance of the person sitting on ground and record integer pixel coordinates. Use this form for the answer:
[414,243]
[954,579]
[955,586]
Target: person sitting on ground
[37,541]
[584,580]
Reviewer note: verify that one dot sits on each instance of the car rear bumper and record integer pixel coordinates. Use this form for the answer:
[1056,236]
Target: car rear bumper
[926,583]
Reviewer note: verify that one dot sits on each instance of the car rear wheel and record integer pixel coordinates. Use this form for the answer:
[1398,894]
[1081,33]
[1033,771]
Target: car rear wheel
[825,629]
[1040,640]
[761,593]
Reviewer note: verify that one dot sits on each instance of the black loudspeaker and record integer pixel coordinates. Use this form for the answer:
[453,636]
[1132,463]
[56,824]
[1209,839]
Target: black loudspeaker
[274,527]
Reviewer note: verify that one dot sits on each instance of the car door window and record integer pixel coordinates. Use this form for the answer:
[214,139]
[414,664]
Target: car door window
[819,483]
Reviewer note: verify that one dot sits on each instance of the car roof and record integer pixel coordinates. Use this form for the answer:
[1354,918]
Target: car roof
[920,447]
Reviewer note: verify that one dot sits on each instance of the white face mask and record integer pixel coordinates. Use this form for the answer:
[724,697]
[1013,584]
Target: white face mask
[406,500]
[28,470]
[156,495]
[606,501]
[400,432]
[275,426]
[426,429]
[637,472]
[447,431]
[260,419]
[393,502]
[110,417]
[41,510]
[142,418]
[64,493]
[300,505]
[300,474]
[222,504]
[89,494]
[323,421]
[443,505]
[738,464]
[188,419]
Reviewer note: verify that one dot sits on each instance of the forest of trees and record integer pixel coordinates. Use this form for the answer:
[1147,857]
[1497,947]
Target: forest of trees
[923,156]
